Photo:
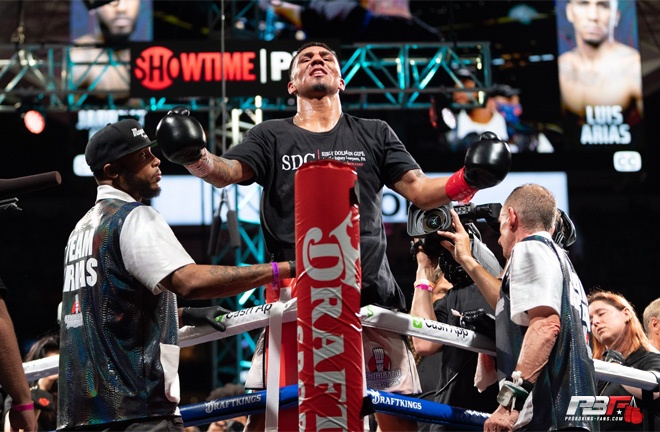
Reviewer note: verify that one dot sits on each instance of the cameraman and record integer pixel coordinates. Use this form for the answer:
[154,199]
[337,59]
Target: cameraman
[455,377]
[541,305]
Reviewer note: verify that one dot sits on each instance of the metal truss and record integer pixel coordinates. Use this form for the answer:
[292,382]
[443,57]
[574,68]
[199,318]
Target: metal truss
[232,357]
[395,76]
[377,76]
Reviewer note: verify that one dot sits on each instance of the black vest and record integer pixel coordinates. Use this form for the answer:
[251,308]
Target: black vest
[570,369]
[112,328]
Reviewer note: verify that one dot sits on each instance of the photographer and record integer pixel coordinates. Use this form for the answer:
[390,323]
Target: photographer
[456,375]
[542,321]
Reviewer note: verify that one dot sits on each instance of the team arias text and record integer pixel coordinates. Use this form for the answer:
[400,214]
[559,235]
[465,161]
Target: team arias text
[80,266]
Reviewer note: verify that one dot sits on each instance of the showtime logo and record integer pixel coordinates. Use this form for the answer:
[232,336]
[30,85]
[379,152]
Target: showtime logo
[158,67]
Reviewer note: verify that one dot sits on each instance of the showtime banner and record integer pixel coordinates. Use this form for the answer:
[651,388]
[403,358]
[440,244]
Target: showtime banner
[195,68]
[330,379]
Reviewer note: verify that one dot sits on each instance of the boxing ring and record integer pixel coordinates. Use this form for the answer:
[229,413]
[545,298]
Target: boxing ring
[320,315]
[371,316]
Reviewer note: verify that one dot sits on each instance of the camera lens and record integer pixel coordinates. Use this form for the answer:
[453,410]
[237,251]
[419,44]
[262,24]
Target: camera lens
[436,220]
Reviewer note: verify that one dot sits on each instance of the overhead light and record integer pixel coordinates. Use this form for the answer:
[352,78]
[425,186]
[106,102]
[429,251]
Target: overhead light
[80,167]
[523,13]
[441,115]
[34,121]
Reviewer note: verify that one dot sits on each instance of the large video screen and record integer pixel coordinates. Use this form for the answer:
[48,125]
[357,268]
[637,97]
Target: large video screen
[121,20]
[187,200]
[101,32]
[566,79]
[599,73]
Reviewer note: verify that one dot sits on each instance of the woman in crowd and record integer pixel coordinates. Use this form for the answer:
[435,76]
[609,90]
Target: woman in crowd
[44,391]
[618,336]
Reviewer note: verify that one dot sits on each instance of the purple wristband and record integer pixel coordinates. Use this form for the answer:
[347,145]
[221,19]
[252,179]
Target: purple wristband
[24,407]
[276,275]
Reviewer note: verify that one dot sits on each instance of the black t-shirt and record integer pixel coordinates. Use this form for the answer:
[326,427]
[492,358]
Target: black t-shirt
[456,377]
[275,149]
[3,290]
[642,360]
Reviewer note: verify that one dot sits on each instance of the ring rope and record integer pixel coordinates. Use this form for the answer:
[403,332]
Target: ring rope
[372,316]
[383,402]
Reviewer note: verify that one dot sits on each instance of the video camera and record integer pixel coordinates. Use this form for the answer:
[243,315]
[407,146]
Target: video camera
[425,224]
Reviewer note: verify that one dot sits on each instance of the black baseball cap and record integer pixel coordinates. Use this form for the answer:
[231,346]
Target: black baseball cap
[503,90]
[115,141]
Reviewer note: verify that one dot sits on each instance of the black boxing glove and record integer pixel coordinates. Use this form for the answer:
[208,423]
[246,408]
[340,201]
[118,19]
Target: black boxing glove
[201,316]
[183,141]
[43,400]
[487,162]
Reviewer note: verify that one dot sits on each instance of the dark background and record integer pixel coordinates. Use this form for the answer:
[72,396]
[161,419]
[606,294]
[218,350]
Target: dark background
[614,212]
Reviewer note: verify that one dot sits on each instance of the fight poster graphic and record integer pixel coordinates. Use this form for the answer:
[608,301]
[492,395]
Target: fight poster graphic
[600,75]
[604,409]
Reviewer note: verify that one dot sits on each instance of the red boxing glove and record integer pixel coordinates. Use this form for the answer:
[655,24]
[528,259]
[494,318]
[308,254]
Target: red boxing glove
[633,415]
[457,188]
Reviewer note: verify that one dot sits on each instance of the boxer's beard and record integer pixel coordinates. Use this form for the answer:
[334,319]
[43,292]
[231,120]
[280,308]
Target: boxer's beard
[320,88]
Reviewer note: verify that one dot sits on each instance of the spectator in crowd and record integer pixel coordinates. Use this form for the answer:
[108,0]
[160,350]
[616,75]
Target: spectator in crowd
[44,390]
[522,138]
[12,377]
[651,319]
[232,424]
[473,119]
[619,338]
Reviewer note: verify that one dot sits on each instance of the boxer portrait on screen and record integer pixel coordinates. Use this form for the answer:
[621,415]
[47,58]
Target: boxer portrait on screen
[600,78]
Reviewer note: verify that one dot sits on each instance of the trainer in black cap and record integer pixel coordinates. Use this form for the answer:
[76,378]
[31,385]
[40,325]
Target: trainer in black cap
[115,141]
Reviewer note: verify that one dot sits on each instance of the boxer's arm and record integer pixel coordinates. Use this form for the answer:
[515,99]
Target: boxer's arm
[183,141]
[487,162]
